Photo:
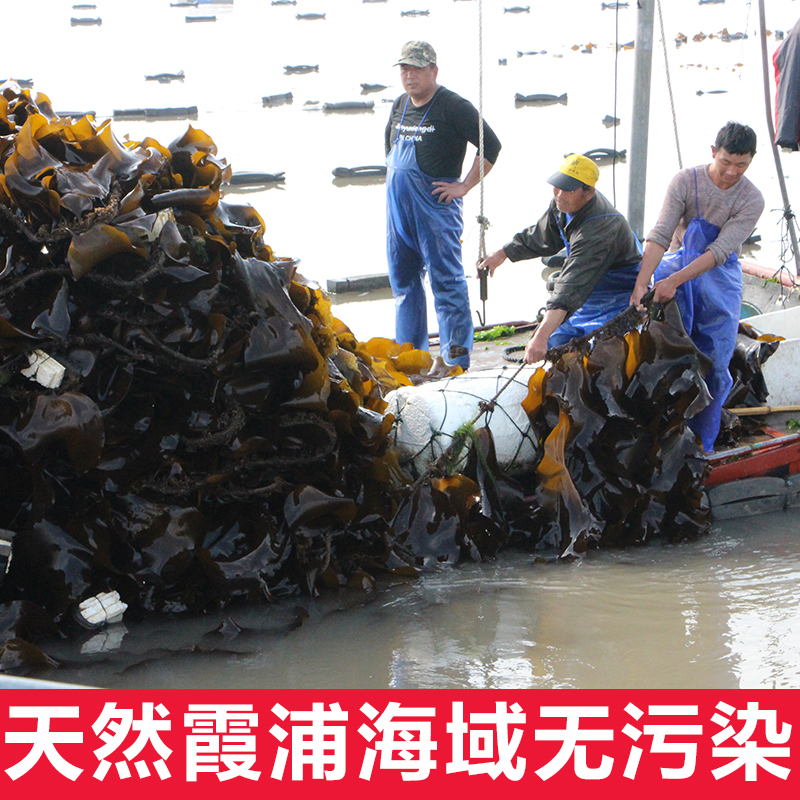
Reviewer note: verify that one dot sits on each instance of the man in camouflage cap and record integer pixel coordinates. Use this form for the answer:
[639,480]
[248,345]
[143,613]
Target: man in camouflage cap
[417,54]
[426,142]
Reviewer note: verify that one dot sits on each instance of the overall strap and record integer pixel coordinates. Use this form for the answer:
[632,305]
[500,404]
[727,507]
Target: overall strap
[563,231]
[405,107]
[402,119]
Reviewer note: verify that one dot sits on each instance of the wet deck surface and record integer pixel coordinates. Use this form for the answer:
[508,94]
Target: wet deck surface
[488,355]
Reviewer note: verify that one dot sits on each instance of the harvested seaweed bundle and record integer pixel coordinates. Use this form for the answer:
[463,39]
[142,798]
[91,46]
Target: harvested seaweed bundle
[216,433]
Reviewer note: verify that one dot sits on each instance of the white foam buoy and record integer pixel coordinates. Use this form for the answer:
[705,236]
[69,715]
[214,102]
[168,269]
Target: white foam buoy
[427,416]
[102,609]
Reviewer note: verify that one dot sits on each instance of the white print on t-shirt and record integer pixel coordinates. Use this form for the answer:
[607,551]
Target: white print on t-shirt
[413,133]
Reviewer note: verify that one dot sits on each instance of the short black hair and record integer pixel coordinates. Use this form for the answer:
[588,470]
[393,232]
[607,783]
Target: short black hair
[737,139]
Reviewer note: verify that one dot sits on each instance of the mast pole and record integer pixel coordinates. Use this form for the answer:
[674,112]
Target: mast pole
[637,176]
[787,209]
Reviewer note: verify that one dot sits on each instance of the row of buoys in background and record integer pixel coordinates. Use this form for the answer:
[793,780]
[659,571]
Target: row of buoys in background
[722,35]
[287,98]
[604,155]
[256,178]
[349,105]
[366,174]
[377,171]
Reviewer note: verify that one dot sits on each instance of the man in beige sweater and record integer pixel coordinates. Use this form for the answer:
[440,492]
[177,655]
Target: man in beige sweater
[707,214]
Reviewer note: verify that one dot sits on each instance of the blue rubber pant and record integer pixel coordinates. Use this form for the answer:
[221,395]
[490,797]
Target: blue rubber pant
[710,307]
[423,233]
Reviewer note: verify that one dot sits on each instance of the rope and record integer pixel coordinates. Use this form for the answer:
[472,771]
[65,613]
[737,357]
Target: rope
[787,212]
[786,221]
[616,66]
[669,85]
[482,221]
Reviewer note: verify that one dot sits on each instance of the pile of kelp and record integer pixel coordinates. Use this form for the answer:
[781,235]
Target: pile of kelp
[206,429]
[183,421]
[617,450]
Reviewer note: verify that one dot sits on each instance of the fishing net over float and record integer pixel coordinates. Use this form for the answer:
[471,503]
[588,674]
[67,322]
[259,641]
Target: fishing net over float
[184,422]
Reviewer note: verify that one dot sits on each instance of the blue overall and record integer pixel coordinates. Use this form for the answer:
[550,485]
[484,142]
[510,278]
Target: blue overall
[609,298]
[710,307]
[422,232]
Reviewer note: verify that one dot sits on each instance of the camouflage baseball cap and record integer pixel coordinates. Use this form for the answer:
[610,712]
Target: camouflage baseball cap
[417,54]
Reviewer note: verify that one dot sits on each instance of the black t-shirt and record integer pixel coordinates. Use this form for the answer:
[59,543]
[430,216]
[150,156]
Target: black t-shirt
[441,143]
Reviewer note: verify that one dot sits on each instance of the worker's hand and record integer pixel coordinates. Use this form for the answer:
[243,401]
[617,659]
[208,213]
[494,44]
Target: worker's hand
[535,350]
[448,190]
[638,293]
[665,289]
[493,261]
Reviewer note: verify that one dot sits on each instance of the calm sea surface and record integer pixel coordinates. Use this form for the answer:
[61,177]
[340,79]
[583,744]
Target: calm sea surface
[721,612]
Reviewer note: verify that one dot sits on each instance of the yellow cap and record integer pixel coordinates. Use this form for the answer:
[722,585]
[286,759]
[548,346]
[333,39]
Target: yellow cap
[576,171]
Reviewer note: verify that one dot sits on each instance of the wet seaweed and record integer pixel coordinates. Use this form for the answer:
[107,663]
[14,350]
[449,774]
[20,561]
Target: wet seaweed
[184,421]
[216,434]
[620,464]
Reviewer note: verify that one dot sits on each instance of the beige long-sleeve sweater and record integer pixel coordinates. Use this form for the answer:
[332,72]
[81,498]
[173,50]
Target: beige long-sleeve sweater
[734,211]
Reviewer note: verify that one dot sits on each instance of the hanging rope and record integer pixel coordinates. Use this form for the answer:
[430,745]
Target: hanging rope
[616,75]
[669,85]
[788,214]
[483,223]
[787,223]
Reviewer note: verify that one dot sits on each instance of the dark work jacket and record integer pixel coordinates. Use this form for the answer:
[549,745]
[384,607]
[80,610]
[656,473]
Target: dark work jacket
[787,77]
[597,244]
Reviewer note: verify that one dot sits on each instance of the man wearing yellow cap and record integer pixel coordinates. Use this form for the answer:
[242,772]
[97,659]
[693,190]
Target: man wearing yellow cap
[602,257]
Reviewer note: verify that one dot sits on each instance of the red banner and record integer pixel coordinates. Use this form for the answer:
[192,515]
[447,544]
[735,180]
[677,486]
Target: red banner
[241,744]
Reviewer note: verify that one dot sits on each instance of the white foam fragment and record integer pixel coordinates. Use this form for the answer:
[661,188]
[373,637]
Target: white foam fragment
[44,369]
[164,216]
[102,609]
